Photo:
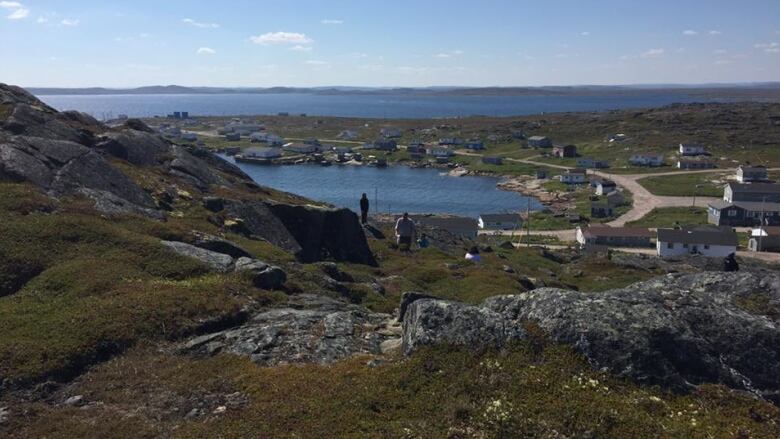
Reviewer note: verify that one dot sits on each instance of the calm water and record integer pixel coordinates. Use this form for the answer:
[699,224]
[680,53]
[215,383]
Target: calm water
[410,107]
[399,188]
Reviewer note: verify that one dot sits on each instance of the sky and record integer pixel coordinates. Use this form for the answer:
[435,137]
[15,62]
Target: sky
[387,43]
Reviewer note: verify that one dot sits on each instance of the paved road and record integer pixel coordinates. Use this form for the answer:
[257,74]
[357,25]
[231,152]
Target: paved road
[644,201]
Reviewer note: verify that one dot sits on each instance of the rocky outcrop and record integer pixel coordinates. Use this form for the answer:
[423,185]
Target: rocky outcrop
[263,275]
[676,331]
[312,329]
[325,233]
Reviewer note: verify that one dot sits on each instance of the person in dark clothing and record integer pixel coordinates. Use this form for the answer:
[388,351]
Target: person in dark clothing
[364,209]
[730,263]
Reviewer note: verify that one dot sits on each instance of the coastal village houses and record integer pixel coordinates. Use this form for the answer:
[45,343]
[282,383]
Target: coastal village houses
[500,221]
[695,164]
[592,163]
[699,240]
[765,239]
[604,187]
[749,174]
[574,176]
[262,153]
[539,142]
[603,235]
[650,160]
[301,148]
[476,145]
[766,192]
[564,151]
[743,213]
[391,133]
[382,144]
[689,149]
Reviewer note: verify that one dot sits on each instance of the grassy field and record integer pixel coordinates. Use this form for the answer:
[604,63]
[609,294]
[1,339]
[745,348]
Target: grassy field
[671,216]
[701,184]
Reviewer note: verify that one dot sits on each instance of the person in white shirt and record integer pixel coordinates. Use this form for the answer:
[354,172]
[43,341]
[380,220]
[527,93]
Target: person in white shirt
[473,255]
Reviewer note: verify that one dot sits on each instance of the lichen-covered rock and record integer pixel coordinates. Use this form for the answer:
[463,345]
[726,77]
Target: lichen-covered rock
[217,261]
[264,276]
[677,330]
[314,330]
[220,245]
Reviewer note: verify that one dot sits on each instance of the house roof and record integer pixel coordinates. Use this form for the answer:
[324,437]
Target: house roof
[607,183]
[769,230]
[500,217]
[648,155]
[753,206]
[772,188]
[752,168]
[698,236]
[447,223]
[606,231]
[575,171]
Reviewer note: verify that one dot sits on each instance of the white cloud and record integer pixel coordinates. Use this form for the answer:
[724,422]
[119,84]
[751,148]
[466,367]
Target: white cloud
[653,53]
[281,38]
[719,51]
[443,55]
[449,54]
[457,52]
[195,23]
[315,62]
[206,51]
[585,34]
[690,32]
[18,11]
[359,55]
[300,48]
[19,14]
[723,62]
[715,32]
[42,20]
[70,22]
[773,47]
[331,21]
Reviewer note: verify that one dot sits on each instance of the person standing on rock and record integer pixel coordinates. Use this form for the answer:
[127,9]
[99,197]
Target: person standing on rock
[364,209]
[404,232]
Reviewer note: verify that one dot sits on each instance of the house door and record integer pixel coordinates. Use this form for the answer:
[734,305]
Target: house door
[695,250]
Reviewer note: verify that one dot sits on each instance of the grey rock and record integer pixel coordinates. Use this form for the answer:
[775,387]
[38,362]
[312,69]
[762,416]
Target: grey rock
[264,276]
[676,331]
[137,147]
[333,270]
[407,299]
[217,261]
[214,204]
[75,400]
[315,329]
[5,415]
[220,245]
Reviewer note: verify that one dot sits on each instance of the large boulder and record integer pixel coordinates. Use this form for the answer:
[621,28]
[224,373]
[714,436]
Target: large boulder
[137,147]
[267,277]
[325,233]
[316,329]
[677,331]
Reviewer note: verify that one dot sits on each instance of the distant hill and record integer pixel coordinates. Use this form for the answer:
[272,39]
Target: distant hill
[749,91]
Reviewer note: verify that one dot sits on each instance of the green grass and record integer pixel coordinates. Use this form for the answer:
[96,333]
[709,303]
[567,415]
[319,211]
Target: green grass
[700,184]
[671,216]
[532,389]
[75,287]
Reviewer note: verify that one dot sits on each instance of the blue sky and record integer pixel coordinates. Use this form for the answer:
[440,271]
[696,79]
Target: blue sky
[388,43]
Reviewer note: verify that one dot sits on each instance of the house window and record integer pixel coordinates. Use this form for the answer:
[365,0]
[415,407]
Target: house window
[706,246]
[685,245]
[732,213]
[670,245]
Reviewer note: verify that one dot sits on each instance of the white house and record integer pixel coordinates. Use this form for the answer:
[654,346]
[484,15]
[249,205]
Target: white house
[690,149]
[747,174]
[706,241]
[262,153]
[604,187]
[573,176]
[499,221]
[348,135]
[301,148]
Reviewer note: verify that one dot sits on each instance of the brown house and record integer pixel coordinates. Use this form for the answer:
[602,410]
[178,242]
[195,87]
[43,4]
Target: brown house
[564,151]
